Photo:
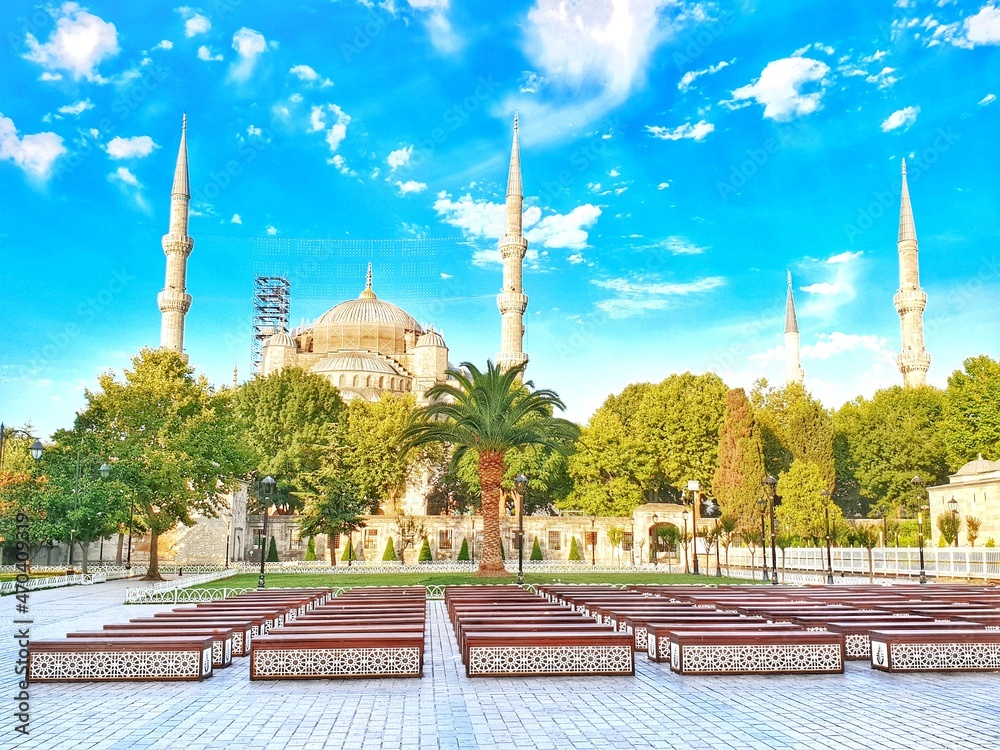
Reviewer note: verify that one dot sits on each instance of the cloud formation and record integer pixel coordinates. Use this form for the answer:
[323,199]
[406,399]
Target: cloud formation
[901,118]
[34,154]
[135,147]
[696,132]
[782,88]
[78,45]
[634,297]
[249,45]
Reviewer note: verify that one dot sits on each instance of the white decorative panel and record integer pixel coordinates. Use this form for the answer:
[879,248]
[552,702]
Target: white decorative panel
[116,665]
[336,662]
[640,638]
[857,645]
[506,660]
[781,658]
[945,656]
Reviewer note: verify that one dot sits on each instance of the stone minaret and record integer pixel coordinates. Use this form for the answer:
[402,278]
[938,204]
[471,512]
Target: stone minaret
[793,369]
[177,245]
[511,300]
[910,300]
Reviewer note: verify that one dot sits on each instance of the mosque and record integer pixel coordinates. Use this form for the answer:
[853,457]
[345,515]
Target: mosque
[368,347]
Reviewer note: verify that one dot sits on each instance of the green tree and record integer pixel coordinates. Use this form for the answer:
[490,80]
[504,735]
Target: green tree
[729,526]
[490,413]
[425,552]
[463,553]
[802,507]
[950,526]
[390,551]
[272,551]
[287,418]
[616,534]
[574,550]
[169,437]
[311,550]
[867,537]
[972,412]
[609,479]
[337,510]
[890,438]
[794,427]
[536,551]
[740,474]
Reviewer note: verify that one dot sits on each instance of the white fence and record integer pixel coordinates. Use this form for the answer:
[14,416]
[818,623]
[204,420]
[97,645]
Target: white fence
[49,582]
[969,563]
[168,591]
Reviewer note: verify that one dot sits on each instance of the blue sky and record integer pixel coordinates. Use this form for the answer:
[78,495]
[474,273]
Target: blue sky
[678,157]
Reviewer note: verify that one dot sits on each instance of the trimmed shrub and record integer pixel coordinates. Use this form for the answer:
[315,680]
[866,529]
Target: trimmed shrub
[272,551]
[463,553]
[536,550]
[425,552]
[574,550]
[390,551]
[311,550]
[991,542]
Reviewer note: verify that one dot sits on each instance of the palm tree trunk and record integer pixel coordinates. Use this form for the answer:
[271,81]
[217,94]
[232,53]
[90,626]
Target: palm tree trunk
[490,475]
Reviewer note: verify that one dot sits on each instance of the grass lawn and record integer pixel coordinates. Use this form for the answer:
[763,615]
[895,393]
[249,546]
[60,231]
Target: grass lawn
[417,578]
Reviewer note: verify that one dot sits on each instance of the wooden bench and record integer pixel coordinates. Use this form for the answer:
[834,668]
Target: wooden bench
[222,638]
[756,652]
[583,652]
[954,649]
[637,624]
[857,632]
[288,656]
[241,639]
[522,627]
[658,634]
[109,658]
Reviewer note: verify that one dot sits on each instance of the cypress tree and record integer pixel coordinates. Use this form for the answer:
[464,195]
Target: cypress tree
[425,552]
[536,550]
[311,550]
[574,550]
[463,553]
[272,551]
[390,551]
[738,479]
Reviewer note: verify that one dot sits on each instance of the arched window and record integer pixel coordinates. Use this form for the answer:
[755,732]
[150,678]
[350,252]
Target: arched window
[343,381]
[368,382]
[392,384]
[381,381]
[355,381]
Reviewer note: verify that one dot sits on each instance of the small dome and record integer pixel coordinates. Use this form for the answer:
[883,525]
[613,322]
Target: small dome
[979,466]
[281,339]
[354,362]
[431,338]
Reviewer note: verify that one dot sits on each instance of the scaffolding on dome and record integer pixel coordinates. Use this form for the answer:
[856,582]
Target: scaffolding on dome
[270,312]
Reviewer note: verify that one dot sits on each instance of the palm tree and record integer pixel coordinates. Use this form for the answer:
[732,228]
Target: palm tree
[490,413]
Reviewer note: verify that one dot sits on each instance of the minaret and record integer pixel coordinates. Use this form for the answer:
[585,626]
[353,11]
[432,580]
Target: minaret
[793,369]
[910,300]
[513,246]
[177,245]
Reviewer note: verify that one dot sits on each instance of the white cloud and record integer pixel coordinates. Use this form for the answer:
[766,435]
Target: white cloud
[78,44]
[565,230]
[35,154]
[845,257]
[271,230]
[818,46]
[988,99]
[410,186]
[688,78]
[884,78]
[682,246]
[575,258]
[338,161]
[165,44]
[130,148]
[399,158]
[781,85]
[826,288]
[832,344]
[317,119]
[249,45]
[443,37]
[875,56]
[984,27]
[476,218]
[663,186]
[76,109]
[614,173]
[901,118]
[253,131]
[309,75]
[204,53]
[197,24]
[125,176]
[335,134]
[531,82]
[634,297]
[237,219]
[695,132]
[446,276]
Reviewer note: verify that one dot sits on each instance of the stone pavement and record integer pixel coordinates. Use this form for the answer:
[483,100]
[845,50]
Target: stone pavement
[443,709]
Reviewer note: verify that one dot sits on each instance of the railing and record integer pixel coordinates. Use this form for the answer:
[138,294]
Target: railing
[49,582]
[169,591]
[969,563]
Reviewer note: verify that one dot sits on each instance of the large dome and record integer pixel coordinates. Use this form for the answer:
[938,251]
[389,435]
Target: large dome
[354,362]
[365,324]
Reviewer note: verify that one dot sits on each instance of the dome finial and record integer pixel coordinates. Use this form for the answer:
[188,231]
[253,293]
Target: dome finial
[368,293]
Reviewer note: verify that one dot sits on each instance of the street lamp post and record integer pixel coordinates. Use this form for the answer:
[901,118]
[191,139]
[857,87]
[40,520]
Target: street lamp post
[655,546]
[762,504]
[593,541]
[919,482]
[953,507]
[829,554]
[694,486]
[684,519]
[772,484]
[267,485]
[521,482]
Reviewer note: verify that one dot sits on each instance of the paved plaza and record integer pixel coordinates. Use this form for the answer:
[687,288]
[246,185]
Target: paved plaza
[655,709]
